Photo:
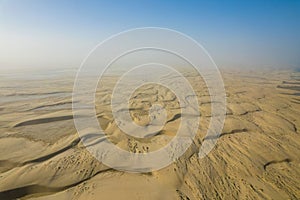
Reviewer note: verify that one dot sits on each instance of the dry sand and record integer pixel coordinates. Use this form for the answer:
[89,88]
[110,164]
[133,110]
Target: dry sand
[256,156]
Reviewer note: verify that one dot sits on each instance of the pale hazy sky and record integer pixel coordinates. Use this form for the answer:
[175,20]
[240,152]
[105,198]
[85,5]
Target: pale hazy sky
[60,33]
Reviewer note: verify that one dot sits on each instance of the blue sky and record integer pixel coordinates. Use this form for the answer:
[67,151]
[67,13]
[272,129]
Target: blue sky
[60,33]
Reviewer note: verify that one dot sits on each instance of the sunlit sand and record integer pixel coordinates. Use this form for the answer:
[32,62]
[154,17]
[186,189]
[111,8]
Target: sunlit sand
[256,156]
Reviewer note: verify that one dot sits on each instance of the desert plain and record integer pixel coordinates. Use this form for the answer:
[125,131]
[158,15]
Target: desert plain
[256,155]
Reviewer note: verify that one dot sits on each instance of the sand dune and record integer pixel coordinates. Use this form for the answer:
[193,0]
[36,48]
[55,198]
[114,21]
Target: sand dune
[43,120]
[256,156]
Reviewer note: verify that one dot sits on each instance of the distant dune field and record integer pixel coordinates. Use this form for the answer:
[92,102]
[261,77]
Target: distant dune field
[256,156]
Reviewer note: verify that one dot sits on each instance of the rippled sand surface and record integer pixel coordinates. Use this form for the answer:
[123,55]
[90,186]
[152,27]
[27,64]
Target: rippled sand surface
[256,156]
